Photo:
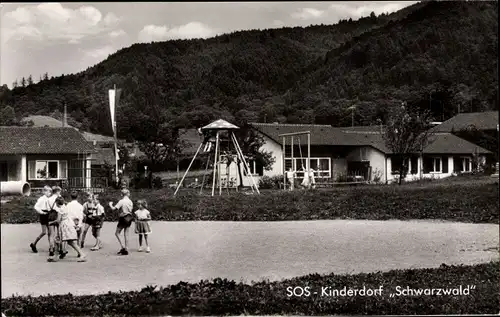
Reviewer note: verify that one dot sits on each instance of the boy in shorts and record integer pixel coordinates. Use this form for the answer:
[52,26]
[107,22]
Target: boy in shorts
[42,209]
[125,219]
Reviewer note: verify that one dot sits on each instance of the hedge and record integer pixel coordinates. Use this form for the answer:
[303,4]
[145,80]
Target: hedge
[476,203]
[224,297]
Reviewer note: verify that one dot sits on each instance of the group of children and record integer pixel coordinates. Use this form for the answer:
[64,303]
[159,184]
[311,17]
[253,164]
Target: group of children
[307,182]
[68,223]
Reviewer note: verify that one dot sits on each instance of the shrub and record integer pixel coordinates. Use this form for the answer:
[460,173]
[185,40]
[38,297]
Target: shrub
[157,183]
[273,182]
[226,297]
[466,202]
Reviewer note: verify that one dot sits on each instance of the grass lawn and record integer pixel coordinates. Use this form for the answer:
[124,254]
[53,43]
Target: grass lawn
[465,199]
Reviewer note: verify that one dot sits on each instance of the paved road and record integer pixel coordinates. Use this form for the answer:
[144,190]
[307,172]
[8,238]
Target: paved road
[191,251]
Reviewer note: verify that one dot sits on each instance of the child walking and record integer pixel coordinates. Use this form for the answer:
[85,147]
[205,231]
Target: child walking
[98,220]
[42,209]
[142,226]
[67,229]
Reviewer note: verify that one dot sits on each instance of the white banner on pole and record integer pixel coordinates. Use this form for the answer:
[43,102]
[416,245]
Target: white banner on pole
[112,104]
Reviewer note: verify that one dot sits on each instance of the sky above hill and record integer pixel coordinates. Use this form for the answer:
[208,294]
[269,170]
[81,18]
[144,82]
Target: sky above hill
[65,38]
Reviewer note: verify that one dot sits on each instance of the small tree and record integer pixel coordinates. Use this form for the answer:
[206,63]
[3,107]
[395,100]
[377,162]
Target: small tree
[23,82]
[46,76]
[30,80]
[407,132]
[158,137]
[15,84]
[251,142]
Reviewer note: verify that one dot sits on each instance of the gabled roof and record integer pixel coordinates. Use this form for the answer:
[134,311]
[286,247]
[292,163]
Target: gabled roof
[91,137]
[442,143]
[42,140]
[320,134]
[325,134]
[448,143]
[480,120]
[103,156]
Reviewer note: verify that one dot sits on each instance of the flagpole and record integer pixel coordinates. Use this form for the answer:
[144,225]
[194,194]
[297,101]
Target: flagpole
[116,139]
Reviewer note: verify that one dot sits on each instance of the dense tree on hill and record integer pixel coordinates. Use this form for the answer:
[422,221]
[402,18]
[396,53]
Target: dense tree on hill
[440,56]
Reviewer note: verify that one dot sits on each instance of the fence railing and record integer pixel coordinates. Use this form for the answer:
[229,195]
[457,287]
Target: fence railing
[85,183]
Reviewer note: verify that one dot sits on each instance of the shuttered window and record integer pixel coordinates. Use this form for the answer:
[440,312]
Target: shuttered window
[47,169]
[32,169]
[63,169]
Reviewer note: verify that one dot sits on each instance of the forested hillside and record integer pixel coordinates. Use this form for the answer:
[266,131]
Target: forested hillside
[440,55]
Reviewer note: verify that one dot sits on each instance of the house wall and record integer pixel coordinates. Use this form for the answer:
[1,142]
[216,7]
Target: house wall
[374,156]
[76,173]
[339,167]
[432,175]
[277,152]
[16,164]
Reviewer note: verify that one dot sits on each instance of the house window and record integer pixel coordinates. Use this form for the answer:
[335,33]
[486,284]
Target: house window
[436,166]
[396,164]
[256,169]
[47,169]
[322,166]
[465,165]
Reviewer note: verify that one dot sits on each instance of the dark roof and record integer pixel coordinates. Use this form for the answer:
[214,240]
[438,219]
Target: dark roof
[442,143]
[91,137]
[42,140]
[320,134]
[104,155]
[480,120]
[325,134]
[447,143]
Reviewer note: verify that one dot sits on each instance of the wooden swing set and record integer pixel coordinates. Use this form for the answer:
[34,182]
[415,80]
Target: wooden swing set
[307,168]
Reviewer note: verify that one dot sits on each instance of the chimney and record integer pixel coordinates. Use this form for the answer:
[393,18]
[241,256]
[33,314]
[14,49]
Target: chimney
[65,117]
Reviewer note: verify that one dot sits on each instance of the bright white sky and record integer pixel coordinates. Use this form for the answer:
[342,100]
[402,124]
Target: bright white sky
[65,38]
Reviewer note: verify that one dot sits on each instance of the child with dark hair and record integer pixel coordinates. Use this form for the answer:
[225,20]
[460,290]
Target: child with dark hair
[75,213]
[142,224]
[98,220]
[54,238]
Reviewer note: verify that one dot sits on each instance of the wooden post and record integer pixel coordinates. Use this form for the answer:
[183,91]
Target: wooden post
[284,164]
[309,158]
[182,180]
[219,172]
[215,162]
[245,162]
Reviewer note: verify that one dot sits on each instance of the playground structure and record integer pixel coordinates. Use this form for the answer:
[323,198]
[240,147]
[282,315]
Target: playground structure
[219,136]
[306,168]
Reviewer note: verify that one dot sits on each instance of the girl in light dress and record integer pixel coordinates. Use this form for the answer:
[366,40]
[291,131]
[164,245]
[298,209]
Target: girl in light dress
[142,225]
[67,229]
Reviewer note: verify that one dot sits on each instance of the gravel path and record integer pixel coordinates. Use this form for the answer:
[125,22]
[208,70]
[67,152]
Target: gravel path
[191,251]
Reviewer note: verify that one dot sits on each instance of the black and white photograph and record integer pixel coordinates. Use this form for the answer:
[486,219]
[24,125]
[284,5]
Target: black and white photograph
[249,158]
